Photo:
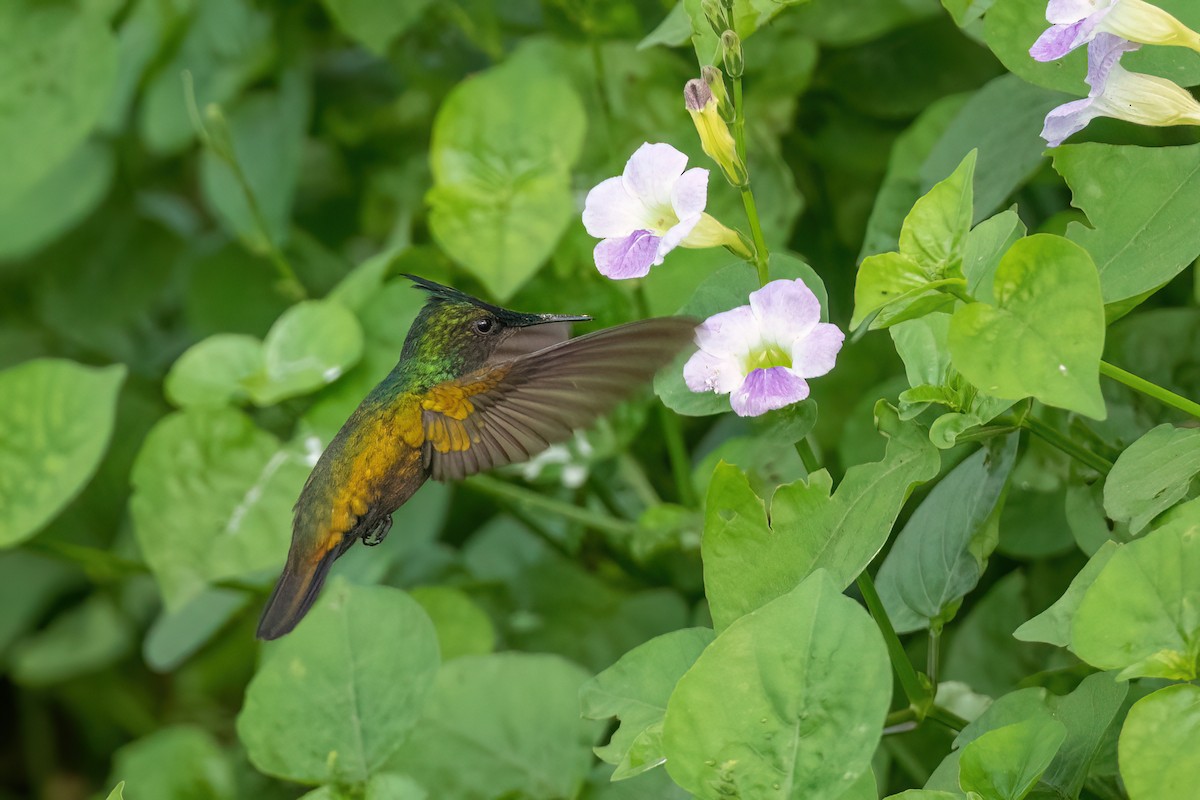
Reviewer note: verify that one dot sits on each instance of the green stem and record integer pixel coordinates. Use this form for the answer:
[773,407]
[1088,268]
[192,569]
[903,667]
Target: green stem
[1150,389]
[630,470]
[918,693]
[761,254]
[504,491]
[947,717]
[101,564]
[1052,437]
[681,466]
[933,656]
[805,451]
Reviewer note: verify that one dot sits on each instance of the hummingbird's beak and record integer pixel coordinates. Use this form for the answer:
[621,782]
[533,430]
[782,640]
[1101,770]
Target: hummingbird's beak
[542,319]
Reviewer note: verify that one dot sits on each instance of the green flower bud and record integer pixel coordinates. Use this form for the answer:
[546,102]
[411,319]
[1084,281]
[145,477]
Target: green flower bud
[715,80]
[731,52]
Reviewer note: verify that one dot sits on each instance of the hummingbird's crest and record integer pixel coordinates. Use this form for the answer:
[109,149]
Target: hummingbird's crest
[449,294]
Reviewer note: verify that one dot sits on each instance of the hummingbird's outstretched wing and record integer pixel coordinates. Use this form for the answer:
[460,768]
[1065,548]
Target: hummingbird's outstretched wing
[508,412]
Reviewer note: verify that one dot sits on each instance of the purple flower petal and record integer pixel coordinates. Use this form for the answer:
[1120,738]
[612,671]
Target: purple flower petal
[705,372]
[766,390]
[1104,53]
[609,212]
[785,310]
[1065,12]
[815,354]
[630,257]
[651,173]
[1067,119]
[729,334]
[690,194]
[1055,42]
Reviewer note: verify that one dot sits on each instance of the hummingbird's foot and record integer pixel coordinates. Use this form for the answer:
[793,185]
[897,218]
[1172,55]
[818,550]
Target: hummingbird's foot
[378,532]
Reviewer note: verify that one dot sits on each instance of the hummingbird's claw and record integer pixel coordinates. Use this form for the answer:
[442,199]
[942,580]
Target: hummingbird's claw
[378,532]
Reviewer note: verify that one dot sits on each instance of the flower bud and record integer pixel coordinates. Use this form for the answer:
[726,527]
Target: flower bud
[717,14]
[716,84]
[715,138]
[731,51]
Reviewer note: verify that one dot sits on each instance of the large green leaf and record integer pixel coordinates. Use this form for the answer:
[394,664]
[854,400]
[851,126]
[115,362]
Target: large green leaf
[1151,475]
[1139,202]
[787,702]
[1053,625]
[375,23]
[1045,334]
[463,628]
[749,561]
[725,289]
[55,424]
[943,549]
[336,698]
[635,690]
[1004,764]
[502,725]
[383,786]
[84,639]
[213,371]
[1160,744]
[1142,612]
[212,499]
[179,761]
[58,64]
[312,344]
[503,145]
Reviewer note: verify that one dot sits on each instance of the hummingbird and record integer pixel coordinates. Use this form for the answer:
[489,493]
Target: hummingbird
[476,387]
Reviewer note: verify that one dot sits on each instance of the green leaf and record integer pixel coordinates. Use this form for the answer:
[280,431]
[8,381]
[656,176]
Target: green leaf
[1160,744]
[55,424]
[212,499]
[1012,26]
[59,65]
[674,30]
[79,641]
[312,344]
[213,371]
[502,724]
[1151,475]
[935,230]
[463,628]
[1139,614]
[898,288]
[118,792]
[384,786]
[1139,203]
[986,245]
[177,761]
[267,136]
[1044,336]
[748,562]
[175,636]
[924,794]
[1053,626]
[334,700]
[635,690]
[943,549]
[1091,715]
[1004,764]
[727,288]
[375,23]
[60,199]
[504,142]
[1002,121]
[787,702]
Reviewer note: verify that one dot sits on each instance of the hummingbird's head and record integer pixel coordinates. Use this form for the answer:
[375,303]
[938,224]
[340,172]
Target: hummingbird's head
[460,333]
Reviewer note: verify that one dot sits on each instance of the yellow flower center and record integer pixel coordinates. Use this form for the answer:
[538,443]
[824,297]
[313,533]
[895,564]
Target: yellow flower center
[767,357]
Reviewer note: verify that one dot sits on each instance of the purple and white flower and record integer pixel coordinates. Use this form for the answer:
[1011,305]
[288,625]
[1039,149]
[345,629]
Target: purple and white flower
[1120,94]
[1074,23]
[648,211]
[761,354]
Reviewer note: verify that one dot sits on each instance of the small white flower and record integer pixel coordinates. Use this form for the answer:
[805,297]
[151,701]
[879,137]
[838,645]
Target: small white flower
[648,211]
[760,354]
[1077,22]
[1120,94]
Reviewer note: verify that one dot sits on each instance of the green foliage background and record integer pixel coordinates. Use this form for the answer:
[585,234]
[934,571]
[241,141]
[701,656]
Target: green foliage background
[204,205]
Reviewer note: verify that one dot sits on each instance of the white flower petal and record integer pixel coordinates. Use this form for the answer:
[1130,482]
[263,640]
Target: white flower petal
[690,194]
[674,236]
[1065,12]
[610,212]
[651,173]
[630,257]
[815,354]
[705,372]
[785,310]
[766,390]
[729,334]
[709,233]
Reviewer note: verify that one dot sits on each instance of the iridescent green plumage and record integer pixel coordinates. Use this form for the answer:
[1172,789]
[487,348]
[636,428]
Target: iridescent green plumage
[477,386]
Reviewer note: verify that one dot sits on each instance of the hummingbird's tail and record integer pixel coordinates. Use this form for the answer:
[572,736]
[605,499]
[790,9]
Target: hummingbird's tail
[297,590]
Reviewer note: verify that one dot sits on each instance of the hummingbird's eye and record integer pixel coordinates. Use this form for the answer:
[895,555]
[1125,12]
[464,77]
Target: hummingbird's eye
[484,325]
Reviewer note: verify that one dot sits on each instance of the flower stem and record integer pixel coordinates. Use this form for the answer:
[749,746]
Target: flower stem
[681,467]
[919,695]
[761,254]
[502,490]
[1150,389]
[1052,437]
[805,451]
